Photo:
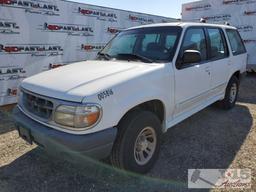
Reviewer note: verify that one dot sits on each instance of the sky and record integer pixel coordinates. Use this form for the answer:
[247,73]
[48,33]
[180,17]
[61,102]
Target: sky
[167,8]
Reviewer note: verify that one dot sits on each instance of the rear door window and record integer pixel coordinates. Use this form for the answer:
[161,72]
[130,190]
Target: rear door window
[236,42]
[218,47]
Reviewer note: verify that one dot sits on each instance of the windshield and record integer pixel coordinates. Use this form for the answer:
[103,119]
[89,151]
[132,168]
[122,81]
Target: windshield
[155,44]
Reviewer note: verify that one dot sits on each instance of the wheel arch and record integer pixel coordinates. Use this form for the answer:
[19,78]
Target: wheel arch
[155,106]
[236,74]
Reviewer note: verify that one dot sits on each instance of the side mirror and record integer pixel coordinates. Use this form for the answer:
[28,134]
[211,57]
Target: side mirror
[191,56]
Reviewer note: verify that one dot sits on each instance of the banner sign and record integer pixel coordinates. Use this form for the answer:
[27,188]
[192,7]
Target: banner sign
[38,35]
[238,13]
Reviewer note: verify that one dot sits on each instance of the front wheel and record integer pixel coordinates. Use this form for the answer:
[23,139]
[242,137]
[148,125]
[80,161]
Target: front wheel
[231,94]
[138,142]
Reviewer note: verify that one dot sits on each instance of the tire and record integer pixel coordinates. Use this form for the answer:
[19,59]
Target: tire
[231,94]
[128,145]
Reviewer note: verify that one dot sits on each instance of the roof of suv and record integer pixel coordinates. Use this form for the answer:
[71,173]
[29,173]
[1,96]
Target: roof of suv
[184,25]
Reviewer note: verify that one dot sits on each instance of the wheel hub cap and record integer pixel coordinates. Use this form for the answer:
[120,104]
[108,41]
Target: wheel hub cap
[142,144]
[233,93]
[145,146]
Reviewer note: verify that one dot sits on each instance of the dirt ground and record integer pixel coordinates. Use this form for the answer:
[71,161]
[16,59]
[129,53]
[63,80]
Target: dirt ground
[210,139]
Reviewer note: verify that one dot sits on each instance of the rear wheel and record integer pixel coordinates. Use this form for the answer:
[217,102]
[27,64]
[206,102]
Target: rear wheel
[231,94]
[138,142]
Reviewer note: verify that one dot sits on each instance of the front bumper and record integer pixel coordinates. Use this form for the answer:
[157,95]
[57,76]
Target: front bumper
[97,145]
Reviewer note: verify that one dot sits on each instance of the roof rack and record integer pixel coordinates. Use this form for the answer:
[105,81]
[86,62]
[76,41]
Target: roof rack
[202,20]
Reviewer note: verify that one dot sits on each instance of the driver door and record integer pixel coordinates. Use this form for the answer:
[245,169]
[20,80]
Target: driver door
[192,81]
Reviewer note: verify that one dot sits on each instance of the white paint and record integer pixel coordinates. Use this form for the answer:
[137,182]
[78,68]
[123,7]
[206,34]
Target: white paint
[182,92]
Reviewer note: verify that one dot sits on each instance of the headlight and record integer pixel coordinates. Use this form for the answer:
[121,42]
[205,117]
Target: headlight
[80,117]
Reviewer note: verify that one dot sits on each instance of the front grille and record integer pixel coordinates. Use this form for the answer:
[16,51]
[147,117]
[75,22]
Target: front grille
[37,105]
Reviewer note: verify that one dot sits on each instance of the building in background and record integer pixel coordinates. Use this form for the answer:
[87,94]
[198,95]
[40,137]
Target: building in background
[40,35]
[238,13]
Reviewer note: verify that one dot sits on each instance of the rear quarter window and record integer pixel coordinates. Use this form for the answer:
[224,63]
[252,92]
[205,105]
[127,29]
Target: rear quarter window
[236,42]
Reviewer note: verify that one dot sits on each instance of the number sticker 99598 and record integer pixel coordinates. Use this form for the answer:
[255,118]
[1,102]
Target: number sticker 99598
[105,94]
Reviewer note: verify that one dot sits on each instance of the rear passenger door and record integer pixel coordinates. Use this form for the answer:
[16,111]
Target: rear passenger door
[219,58]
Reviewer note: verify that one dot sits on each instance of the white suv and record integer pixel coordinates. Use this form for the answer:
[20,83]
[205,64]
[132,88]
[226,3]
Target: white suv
[146,80]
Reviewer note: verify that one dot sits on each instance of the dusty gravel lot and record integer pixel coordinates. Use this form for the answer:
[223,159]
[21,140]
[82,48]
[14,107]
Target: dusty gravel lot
[210,139]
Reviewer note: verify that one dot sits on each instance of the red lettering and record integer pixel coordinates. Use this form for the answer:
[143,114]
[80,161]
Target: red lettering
[7,2]
[133,17]
[12,92]
[54,66]
[11,49]
[111,30]
[53,27]
[85,11]
[87,47]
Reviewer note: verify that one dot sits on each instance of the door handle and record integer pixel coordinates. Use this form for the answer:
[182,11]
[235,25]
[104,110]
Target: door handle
[207,70]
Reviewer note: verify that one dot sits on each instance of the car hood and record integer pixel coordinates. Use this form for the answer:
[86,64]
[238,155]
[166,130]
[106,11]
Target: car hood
[75,81]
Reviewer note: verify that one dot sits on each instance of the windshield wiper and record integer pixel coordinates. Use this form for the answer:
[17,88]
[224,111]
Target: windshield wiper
[133,55]
[105,55]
